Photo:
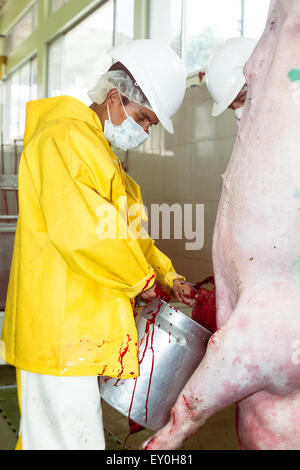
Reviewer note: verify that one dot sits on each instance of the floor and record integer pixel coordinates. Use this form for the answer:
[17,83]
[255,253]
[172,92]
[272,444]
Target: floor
[217,434]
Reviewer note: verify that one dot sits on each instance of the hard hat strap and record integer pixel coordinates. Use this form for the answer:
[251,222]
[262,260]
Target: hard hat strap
[108,112]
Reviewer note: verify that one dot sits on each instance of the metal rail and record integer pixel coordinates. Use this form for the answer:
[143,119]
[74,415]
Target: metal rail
[9,182]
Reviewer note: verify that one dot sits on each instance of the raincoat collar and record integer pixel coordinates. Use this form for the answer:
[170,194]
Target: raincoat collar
[39,112]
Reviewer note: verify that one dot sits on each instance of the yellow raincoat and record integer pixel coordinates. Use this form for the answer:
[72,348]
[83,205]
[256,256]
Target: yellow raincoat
[70,299]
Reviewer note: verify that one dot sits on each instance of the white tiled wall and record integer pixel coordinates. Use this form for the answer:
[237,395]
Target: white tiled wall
[186,168]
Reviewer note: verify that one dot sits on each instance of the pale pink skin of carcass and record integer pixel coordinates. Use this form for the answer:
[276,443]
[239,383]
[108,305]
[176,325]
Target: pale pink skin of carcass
[252,359]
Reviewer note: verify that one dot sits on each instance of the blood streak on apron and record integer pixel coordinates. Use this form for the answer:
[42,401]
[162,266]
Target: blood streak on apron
[121,357]
[147,283]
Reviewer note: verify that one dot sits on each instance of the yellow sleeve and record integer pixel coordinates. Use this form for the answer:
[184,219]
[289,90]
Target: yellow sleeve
[165,272]
[75,175]
[162,265]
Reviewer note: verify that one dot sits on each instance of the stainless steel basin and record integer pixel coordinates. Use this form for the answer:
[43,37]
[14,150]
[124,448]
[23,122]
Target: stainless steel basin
[171,346]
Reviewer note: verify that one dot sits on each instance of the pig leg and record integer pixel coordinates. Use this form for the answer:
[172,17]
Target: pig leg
[238,363]
[218,382]
[226,300]
[269,422]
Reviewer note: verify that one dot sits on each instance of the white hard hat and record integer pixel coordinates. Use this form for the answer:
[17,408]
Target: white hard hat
[224,74]
[159,72]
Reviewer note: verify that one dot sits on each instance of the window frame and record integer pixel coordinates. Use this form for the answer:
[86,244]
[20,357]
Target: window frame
[184,10]
[52,11]
[183,37]
[33,10]
[7,139]
[61,36]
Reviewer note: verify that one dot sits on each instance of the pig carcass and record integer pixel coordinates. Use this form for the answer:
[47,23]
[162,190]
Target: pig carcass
[253,359]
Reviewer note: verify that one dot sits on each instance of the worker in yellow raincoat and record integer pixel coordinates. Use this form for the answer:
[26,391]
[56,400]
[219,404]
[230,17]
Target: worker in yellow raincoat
[69,310]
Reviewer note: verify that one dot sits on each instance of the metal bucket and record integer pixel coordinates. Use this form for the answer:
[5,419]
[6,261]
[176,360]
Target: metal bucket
[171,346]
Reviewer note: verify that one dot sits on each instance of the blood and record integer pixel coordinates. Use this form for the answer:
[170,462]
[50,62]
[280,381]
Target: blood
[171,324]
[135,382]
[161,292]
[133,427]
[147,340]
[122,354]
[173,418]
[151,444]
[201,76]
[148,282]
[212,339]
[205,312]
[186,402]
[135,313]
[151,321]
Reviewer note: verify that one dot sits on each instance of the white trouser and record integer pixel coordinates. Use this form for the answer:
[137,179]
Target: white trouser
[60,413]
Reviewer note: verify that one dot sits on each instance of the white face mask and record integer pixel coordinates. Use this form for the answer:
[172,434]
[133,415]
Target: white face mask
[239,113]
[126,136]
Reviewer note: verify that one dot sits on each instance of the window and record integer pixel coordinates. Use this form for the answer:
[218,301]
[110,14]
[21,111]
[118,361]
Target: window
[22,30]
[56,4]
[78,57]
[19,88]
[124,21]
[176,26]
[194,28]
[55,59]
[208,24]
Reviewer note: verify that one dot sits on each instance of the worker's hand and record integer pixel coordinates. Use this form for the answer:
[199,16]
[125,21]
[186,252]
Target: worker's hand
[149,294]
[157,290]
[184,292]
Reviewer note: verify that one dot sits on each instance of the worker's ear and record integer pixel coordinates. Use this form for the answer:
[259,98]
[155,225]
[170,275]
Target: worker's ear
[112,96]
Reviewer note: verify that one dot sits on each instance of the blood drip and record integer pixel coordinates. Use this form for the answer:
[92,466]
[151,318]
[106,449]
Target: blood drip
[148,282]
[152,321]
[161,292]
[132,425]
[122,354]
[204,312]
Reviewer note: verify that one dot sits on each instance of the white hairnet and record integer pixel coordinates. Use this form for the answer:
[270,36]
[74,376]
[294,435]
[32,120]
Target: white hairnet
[122,82]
